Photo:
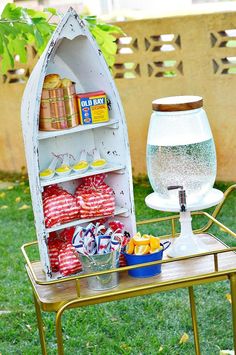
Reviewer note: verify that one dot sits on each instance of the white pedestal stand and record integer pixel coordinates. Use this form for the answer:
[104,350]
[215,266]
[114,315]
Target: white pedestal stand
[187,243]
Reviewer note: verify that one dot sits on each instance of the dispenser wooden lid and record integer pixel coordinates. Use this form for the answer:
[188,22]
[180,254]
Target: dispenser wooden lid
[177,103]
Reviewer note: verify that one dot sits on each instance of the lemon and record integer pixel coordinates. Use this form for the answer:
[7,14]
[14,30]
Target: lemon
[46,172]
[62,169]
[141,249]
[130,247]
[141,240]
[99,162]
[152,251]
[154,242]
[81,165]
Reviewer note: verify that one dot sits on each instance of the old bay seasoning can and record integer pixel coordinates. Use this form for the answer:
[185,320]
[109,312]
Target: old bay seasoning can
[93,107]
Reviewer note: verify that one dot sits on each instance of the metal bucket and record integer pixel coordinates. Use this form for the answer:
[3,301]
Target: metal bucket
[146,271]
[101,262]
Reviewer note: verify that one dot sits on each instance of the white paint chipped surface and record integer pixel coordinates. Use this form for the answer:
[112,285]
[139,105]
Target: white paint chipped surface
[72,52]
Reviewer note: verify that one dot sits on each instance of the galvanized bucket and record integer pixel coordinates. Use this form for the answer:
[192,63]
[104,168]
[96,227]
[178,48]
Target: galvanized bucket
[101,262]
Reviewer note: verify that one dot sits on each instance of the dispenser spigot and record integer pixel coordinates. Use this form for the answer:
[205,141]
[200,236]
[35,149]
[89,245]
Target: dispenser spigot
[182,196]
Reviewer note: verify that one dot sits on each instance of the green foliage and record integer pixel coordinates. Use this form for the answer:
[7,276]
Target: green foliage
[103,33]
[140,325]
[20,27]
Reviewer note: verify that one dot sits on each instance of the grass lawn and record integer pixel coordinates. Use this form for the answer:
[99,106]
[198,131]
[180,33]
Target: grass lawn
[143,325]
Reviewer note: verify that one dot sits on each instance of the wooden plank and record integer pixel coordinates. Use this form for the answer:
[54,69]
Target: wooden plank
[118,211]
[80,128]
[73,176]
[171,272]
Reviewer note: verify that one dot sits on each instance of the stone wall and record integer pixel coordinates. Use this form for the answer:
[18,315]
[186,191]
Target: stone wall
[183,55]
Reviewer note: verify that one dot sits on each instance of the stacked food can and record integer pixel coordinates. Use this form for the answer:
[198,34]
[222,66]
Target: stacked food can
[58,109]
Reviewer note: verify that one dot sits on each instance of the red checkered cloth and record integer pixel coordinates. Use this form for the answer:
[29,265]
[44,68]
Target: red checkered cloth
[54,245]
[94,197]
[68,260]
[59,206]
[125,241]
[63,256]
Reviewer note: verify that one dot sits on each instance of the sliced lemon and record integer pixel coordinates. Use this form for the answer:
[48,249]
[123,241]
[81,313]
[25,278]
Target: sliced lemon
[46,172]
[152,251]
[81,165]
[141,240]
[63,169]
[98,163]
[154,242]
[141,249]
[130,247]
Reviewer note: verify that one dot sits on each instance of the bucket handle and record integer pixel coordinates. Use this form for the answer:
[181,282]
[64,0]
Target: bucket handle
[166,245]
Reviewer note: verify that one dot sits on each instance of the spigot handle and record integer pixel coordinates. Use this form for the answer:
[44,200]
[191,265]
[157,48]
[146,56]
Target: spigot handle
[182,196]
[174,187]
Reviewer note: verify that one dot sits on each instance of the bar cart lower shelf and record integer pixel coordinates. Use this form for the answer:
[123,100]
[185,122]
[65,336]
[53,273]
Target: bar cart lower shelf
[218,264]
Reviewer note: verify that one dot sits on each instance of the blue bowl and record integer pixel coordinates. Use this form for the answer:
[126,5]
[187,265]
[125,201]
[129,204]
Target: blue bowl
[146,271]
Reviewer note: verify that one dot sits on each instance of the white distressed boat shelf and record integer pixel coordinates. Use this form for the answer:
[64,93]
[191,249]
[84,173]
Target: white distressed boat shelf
[111,168]
[118,211]
[73,53]
[113,123]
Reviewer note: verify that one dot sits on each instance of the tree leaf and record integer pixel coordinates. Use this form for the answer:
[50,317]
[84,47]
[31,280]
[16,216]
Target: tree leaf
[37,20]
[45,28]
[24,207]
[20,48]
[228,296]
[51,10]
[10,11]
[109,46]
[105,41]
[7,62]
[33,13]
[1,44]
[91,19]
[8,29]
[110,28]
[4,207]
[184,338]
[24,28]
[38,39]
[26,190]
[32,27]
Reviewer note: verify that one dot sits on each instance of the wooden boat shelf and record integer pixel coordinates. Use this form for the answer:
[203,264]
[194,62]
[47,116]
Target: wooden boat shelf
[73,53]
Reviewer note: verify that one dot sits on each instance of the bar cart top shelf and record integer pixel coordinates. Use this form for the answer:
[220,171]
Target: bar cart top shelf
[178,272]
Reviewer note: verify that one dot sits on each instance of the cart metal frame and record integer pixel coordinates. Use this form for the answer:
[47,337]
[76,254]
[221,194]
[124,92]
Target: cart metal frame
[39,284]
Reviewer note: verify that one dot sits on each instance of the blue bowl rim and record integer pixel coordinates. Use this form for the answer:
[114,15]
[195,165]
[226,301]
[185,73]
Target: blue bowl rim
[157,252]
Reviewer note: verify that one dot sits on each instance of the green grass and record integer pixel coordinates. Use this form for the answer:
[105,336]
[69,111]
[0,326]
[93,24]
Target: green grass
[135,326]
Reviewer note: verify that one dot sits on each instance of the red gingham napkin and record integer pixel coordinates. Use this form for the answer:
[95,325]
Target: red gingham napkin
[94,197]
[59,206]
[68,260]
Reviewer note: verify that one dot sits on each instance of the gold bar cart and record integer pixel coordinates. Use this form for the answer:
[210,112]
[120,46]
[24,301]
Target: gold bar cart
[218,264]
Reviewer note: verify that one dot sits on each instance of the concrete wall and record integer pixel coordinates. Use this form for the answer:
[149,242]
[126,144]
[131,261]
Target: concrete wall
[203,52]
[198,57]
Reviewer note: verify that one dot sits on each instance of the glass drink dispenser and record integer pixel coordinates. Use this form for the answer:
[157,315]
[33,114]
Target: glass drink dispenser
[181,165]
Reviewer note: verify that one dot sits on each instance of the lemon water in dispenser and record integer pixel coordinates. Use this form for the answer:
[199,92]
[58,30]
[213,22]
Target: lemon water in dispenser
[181,164]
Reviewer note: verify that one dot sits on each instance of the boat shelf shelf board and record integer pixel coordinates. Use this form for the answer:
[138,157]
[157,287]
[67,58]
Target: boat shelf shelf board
[118,211]
[80,128]
[75,175]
